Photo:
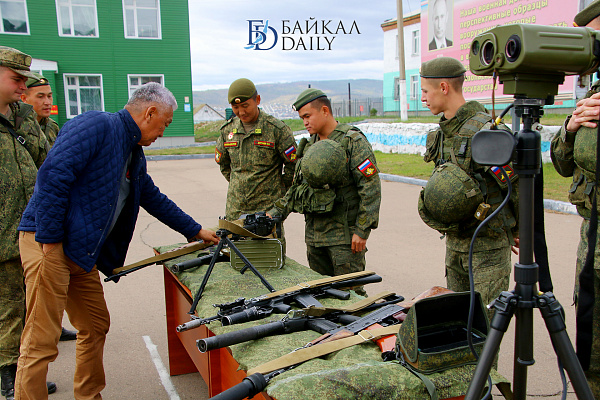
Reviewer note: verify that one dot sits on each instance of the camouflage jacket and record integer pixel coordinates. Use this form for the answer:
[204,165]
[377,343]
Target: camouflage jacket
[456,134]
[259,165]
[50,129]
[18,169]
[356,208]
[574,154]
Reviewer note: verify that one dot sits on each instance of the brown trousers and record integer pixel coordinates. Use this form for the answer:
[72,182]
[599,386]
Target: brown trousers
[54,284]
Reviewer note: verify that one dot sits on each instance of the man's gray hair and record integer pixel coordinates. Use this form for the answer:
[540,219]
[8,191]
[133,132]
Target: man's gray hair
[153,92]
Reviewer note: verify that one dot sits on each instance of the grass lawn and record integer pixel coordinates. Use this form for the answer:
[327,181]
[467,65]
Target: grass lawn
[411,165]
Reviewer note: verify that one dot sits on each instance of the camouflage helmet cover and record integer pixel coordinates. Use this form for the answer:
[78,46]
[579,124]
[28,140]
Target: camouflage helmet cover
[451,195]
[324,163]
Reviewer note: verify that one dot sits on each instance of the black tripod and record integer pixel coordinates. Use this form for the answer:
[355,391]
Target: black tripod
[524,298]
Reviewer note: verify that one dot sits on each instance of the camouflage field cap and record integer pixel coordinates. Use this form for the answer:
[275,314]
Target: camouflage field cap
[586,15]
[306,97]
[39,80]
[16,60]
[442,67]
[240,91]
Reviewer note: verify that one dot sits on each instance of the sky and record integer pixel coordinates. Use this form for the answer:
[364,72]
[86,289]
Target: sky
[220,31]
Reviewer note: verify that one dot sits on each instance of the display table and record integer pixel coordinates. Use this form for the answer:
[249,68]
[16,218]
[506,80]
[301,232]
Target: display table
[353,373]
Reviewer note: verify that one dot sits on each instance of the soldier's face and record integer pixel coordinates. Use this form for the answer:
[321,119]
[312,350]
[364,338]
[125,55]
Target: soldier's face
[156,119]
[314,118]
[432,95]
[247,111]
[40,97]
[12,86]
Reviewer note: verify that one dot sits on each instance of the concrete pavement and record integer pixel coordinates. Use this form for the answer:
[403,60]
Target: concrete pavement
[404,251]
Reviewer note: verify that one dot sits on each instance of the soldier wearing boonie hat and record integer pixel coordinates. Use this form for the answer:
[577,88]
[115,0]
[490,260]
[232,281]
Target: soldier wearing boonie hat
[441,91]
[256,153]
[573,152]
[39,95]
[335,240]
[23,149]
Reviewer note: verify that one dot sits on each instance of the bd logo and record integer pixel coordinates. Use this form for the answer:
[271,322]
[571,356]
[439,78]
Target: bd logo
[261,36]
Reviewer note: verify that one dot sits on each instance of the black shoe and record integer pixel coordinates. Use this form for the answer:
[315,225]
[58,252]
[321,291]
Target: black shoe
[7,378]
[67,335]
[51,387]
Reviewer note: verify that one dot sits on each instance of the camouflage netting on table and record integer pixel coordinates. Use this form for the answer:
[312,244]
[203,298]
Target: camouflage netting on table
[353,373]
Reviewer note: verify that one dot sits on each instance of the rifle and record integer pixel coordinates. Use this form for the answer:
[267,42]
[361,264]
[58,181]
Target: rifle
[296,321]
[242,310]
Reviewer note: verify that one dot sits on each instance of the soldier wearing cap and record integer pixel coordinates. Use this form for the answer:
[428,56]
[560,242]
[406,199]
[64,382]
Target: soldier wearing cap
[336,232]
[39,95]
[573,152]
[256,153]
[441,86]
[23,148]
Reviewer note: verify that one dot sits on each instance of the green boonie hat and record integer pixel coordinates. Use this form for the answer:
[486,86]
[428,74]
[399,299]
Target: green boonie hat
[39,80]
[586,15]
[306,97]
[240,91]
[16,60]
[442,67]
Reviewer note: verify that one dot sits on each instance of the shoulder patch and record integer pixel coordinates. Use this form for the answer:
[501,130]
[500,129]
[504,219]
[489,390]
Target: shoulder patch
[498,172]
[217,156]
[367,168]
[290,153]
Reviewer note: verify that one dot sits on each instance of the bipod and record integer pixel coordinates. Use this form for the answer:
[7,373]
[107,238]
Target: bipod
[524,298]
[225,240]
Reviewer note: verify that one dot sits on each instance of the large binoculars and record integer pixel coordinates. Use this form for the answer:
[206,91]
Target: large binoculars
[532,60]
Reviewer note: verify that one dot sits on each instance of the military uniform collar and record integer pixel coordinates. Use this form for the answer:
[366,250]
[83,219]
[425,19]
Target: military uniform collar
[334,135]
[466,111]
[257,124]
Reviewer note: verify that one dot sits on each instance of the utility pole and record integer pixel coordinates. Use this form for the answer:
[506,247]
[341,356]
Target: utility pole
[349,102]
[402,77]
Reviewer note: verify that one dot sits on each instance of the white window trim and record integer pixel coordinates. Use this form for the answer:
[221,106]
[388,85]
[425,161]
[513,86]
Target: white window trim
[414,89]
[416,42]
[72,35]
[162,76]
[26,18]
[159,37]
[66,86]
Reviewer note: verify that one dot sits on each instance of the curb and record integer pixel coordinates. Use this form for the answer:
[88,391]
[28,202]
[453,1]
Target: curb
[554,205]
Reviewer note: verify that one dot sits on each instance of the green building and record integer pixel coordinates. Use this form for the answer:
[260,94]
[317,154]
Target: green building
[95,53]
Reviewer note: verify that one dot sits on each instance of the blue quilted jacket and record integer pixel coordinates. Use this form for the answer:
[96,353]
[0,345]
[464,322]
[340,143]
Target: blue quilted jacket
[78,185]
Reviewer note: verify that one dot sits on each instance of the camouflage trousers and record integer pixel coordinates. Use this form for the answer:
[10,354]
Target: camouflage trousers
[593,373]
[491,272]
[12,310]
[336,260]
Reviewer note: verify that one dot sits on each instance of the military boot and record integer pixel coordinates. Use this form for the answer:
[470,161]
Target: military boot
[7,376]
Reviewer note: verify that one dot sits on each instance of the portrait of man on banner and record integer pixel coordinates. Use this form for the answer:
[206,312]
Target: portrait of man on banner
[440,24]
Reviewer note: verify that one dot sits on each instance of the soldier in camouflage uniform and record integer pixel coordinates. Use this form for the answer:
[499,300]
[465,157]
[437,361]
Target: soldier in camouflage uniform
[256,153]
[23,148]
[573,152]
[335,240]
[441,85]
[39,95]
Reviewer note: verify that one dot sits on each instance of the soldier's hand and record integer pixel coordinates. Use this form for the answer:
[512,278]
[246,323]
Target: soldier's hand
[587,111]
[358,243]
[207,236]
[515,248]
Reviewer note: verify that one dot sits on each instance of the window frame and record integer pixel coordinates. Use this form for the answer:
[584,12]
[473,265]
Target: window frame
[67,87]
[396,88]
[416,42]
[135,17]
[73,35]
[24,2]
[414,87]
[129,76]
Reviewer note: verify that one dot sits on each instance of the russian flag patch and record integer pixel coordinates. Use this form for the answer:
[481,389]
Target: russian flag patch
[498,172]
[290,153]
[367,168]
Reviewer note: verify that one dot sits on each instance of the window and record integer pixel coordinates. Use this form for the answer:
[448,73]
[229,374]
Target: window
[77,18]
[414,87]
[397,88]
[416,42]
[13,14]
[83,93]
[135,81]
[142,19]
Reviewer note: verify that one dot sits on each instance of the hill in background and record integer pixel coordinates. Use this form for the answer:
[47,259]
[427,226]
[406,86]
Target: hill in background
[277,98]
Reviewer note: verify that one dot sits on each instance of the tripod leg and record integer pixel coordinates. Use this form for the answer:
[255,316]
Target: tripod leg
[553,317]
[505,307]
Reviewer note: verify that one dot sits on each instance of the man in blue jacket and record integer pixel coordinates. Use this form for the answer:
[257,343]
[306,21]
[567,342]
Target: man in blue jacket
[80,220]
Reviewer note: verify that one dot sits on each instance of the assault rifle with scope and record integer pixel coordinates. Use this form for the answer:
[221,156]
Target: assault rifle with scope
[279,302]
